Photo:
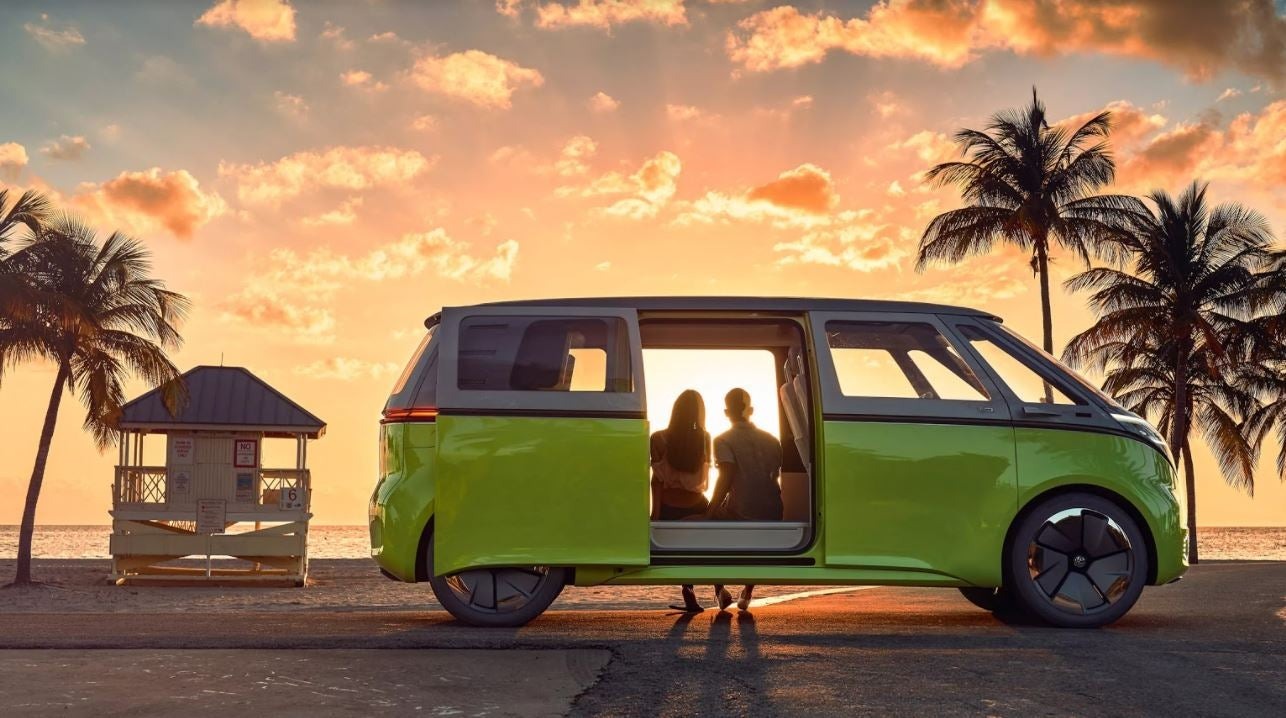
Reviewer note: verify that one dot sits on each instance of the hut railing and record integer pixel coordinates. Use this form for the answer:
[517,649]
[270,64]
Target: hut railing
[275,481]
[139,485]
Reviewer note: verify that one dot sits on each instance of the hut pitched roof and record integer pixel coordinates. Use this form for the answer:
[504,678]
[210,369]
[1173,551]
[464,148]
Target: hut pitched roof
[223,397]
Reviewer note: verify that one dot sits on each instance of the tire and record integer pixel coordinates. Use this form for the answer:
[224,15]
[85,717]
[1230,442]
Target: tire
[503,597]
[1077,560]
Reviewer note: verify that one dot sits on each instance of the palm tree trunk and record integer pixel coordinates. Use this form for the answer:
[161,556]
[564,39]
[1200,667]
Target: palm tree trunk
[1190,481]
[23,576]
[1179,442]
[1046,315]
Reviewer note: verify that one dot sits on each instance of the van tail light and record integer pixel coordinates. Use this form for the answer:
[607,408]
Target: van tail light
[414,413]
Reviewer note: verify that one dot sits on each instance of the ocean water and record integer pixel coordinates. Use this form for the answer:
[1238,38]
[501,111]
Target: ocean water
[351,542]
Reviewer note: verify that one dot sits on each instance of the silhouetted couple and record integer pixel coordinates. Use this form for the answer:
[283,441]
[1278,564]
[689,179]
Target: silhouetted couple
[749,462]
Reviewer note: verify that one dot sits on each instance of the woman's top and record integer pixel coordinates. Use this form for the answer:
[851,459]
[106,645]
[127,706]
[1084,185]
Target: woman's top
[667,477]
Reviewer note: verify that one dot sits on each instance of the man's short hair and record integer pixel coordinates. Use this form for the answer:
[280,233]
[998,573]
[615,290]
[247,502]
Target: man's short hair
[737,401]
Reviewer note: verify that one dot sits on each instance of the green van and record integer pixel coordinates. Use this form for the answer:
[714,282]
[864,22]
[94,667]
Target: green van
[922,445]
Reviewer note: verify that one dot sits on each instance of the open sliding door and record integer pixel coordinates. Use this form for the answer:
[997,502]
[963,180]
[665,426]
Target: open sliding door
[542,439]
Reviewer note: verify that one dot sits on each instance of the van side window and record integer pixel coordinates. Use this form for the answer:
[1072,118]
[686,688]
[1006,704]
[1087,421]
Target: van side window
[899,360]
[536,354]
[1029,386]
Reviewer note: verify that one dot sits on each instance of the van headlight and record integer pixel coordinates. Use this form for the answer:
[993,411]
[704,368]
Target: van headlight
[1140,426]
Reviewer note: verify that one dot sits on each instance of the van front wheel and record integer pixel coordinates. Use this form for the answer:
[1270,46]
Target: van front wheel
[509,596]
[1077,560]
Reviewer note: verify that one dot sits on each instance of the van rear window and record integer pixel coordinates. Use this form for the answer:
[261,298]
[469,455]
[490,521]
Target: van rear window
[544,354]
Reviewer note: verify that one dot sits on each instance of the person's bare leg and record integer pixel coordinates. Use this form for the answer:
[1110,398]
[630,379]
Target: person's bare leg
[690,603]
[746,594]
[722,596]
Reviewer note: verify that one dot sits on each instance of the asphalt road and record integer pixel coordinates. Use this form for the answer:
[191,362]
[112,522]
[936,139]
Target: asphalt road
[1214,644]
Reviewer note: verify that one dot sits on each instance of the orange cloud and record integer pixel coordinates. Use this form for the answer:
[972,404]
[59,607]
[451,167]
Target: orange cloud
[807,187]
[940,32]
[346,369]
[606,13]
[475,77]
[647,190]
[13,157]
[295,295]
[363,80]
[1201,38]
[143,201]
[1130,123]
[929,146]
[345,213]
[348,168]
[861,247]
[264,20]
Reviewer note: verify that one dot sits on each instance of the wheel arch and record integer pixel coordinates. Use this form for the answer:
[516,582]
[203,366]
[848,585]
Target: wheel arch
[1124,503]
[422,552]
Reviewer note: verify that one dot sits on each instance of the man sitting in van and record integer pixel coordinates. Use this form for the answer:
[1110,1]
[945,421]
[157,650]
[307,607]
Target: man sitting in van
[749,461]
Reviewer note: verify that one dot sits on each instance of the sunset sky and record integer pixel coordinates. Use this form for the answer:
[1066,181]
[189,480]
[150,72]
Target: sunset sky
[321,177]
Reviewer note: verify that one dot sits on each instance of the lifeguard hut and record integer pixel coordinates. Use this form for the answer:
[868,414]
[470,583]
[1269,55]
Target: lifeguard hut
[213,497]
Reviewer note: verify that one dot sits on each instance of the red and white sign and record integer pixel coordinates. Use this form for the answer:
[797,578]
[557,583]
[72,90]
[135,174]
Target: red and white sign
[245,453]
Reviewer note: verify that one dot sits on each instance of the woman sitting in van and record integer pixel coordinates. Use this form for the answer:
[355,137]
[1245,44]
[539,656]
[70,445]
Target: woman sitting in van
[680,470]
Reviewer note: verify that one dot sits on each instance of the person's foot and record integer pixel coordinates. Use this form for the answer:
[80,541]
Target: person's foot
[724,598]
[743,603]
[690,603]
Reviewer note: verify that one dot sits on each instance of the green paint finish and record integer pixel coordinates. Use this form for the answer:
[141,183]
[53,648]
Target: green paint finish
[928,498]
[403,500]
[1050,458]
[541,491]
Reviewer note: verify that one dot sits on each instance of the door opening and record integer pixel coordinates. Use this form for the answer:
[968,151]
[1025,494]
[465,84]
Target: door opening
[712,357]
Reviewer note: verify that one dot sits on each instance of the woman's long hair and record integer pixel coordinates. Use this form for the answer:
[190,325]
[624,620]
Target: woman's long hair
[685,437]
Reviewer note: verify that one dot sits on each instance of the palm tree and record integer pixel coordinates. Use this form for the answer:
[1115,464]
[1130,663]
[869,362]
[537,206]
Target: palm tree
[1029,184]
[27,213]
[98,316]
[1169,333]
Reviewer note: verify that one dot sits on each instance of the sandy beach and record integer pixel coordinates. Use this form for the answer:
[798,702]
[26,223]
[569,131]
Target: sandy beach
[83,586]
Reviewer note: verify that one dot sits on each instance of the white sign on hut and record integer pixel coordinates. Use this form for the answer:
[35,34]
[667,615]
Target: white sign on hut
[213,497]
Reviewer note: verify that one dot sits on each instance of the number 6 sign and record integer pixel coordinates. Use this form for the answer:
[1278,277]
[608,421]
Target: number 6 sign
[291,499]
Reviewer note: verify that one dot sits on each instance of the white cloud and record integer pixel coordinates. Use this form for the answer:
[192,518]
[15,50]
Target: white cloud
[51,38]
[641,194]
[602,102]
[66,147]
[290,105]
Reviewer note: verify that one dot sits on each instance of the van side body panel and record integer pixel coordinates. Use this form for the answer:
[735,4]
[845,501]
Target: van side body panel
[403,501]
[1050,458]
[541,491]
[931,498]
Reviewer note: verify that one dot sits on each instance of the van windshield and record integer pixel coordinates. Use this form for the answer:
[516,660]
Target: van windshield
[412,387]
[1066,371]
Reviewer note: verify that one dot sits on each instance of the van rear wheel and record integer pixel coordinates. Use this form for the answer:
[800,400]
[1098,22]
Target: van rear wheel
[1077,560]
[995,600]
[508,596]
